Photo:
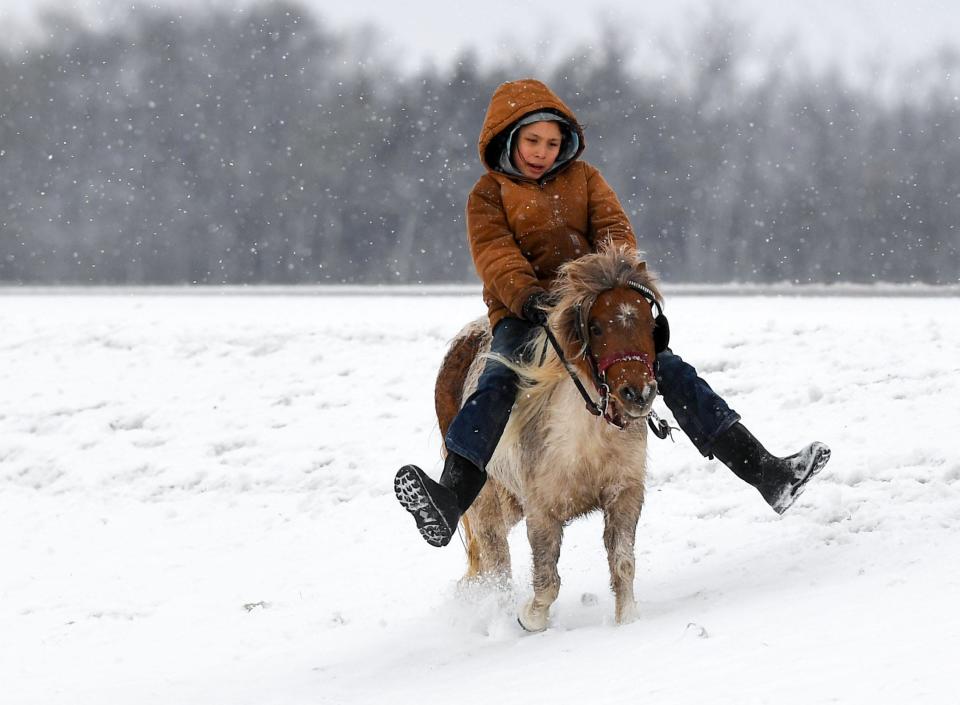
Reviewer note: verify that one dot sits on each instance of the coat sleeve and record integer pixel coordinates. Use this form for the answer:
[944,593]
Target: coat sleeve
[505,272]
[609,223]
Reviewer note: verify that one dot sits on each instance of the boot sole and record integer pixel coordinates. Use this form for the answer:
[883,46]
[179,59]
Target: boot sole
[821,454]
[413,496]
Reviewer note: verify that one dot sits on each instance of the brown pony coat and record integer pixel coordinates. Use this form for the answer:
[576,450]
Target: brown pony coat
[555,461]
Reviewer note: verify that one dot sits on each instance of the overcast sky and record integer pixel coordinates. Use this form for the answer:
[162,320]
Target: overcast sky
[848,32]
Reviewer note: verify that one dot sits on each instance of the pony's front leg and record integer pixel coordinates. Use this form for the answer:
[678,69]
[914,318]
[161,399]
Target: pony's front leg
[544,535]
[619,534]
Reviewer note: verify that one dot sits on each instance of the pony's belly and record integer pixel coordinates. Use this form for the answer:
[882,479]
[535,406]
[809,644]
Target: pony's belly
[573,491]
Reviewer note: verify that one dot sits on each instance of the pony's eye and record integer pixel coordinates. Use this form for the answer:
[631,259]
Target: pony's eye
[595,329]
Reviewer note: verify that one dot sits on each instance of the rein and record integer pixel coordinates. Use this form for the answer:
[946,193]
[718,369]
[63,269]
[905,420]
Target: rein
[594,408]
[661,429]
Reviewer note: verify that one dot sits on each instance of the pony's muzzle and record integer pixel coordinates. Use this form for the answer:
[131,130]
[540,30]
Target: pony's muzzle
[637,401]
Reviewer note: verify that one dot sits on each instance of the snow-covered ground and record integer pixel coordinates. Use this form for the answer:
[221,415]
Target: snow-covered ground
[196,507]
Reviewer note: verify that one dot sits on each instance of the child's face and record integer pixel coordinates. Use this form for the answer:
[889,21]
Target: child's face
[536,148]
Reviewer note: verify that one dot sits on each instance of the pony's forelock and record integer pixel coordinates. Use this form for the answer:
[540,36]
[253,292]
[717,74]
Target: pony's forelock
[581,281]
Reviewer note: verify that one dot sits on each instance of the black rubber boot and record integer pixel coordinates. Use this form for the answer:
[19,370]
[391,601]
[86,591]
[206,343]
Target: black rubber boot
[779,480]
[438,506]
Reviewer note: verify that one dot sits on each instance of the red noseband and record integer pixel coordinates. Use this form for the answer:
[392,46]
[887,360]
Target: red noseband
[609,360]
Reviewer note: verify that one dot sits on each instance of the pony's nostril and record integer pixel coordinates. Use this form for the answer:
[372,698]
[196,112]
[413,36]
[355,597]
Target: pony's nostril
[633,395]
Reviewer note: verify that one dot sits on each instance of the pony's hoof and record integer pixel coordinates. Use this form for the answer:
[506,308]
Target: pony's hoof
[627,613]
[533,619]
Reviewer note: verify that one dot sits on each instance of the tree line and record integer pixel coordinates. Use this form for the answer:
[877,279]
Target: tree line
[260,146]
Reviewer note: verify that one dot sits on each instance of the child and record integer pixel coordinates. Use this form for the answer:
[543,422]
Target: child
[537,207]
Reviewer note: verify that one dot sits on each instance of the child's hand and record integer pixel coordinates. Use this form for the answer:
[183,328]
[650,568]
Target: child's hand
[533,308]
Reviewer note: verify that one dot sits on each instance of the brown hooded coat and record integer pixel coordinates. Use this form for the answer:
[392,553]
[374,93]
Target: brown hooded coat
[522,230]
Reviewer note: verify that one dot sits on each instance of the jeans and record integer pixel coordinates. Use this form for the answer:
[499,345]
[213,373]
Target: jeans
[476,429]
[699,411]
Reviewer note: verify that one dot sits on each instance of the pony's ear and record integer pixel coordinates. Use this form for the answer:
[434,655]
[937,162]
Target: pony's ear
[661,333]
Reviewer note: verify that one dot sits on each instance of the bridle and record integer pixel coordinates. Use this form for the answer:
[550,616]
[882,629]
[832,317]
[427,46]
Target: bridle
[598,368]
[608,361]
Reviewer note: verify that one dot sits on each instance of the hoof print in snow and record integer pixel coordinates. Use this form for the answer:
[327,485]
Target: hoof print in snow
[694,629]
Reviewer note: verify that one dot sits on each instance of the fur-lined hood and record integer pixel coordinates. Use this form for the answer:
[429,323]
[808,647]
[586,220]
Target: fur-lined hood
[513,101]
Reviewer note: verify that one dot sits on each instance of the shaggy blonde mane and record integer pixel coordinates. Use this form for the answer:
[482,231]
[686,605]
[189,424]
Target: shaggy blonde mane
[579,284]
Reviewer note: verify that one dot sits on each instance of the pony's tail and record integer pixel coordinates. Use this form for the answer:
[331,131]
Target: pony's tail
[470,543]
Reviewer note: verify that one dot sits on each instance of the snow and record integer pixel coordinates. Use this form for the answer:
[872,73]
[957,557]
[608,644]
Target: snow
[196,507]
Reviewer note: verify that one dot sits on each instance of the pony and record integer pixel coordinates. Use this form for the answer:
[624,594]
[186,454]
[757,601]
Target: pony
[556,461]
